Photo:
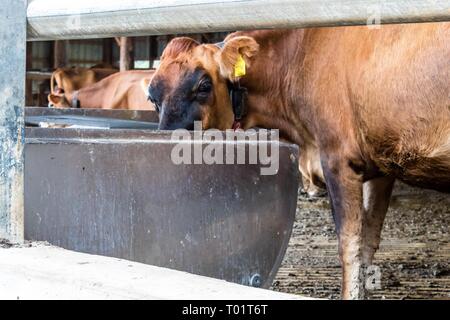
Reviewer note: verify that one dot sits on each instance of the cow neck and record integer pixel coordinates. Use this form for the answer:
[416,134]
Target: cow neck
[238,95]
[269,104]
[75,102]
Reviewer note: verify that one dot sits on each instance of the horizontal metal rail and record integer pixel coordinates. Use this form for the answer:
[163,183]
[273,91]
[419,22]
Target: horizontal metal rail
[38,75]
[55,19]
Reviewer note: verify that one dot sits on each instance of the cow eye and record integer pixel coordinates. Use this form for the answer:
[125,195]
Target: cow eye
[204,86]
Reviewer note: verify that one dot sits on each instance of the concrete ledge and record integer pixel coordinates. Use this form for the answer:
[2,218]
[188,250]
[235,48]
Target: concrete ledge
[45,272]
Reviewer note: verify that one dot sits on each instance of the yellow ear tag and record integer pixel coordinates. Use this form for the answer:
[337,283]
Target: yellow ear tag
[239,67]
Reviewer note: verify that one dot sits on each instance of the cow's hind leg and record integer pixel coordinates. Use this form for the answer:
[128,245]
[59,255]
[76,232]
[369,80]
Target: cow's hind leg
[376,196]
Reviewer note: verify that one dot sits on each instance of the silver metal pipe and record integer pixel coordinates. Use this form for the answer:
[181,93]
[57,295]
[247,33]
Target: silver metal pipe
[55,19]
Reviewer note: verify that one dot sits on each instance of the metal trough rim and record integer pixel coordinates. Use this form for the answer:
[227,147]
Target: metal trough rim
[105,136]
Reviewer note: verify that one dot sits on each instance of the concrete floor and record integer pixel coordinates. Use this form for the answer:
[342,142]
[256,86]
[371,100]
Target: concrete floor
[414,256]
[40,271]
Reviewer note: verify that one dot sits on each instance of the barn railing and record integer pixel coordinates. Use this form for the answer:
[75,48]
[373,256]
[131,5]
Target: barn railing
[56,19]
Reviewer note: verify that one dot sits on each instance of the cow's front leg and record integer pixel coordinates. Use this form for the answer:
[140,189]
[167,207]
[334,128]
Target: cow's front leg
[345,188]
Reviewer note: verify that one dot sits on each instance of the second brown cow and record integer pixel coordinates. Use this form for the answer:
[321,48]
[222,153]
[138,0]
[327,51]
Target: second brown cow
[65,80]
[123,90]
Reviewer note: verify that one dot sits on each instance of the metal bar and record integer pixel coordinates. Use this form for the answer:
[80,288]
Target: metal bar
[136,115]
[38,75]
[90,122]
[55,19]
[12,101]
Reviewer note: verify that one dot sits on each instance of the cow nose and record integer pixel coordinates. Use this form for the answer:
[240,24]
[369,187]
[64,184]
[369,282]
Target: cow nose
[163,124]
[166,124]
[186,125]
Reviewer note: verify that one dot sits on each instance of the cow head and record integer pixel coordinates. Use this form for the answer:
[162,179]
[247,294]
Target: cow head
[191,83]
[58,101]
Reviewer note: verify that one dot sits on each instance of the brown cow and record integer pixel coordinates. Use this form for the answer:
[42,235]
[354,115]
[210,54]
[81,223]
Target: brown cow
[122,90]
[372,104]
[66,80]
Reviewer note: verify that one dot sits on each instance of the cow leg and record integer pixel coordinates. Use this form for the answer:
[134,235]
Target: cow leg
[345,188]
[311,171]
[377,194]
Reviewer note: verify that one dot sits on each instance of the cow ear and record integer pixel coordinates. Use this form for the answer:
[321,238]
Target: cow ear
[177,46]
[54,99]
[236,56]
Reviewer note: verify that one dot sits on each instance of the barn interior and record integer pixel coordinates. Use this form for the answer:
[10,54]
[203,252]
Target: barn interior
[414,254]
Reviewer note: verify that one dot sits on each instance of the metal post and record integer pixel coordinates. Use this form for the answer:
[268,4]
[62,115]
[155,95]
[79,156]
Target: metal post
[12,101]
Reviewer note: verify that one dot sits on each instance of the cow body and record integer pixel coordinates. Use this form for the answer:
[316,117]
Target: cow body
[376,105]
[385,93]
[118,91]
[74,78]
[371,105]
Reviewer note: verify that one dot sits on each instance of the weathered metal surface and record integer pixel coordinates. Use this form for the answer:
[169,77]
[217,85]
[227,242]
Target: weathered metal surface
[136,115]
[12,101]
[55,19]
[117,193]
[88,121]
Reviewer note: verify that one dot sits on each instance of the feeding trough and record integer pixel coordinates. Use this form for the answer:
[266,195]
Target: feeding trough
[117,193]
